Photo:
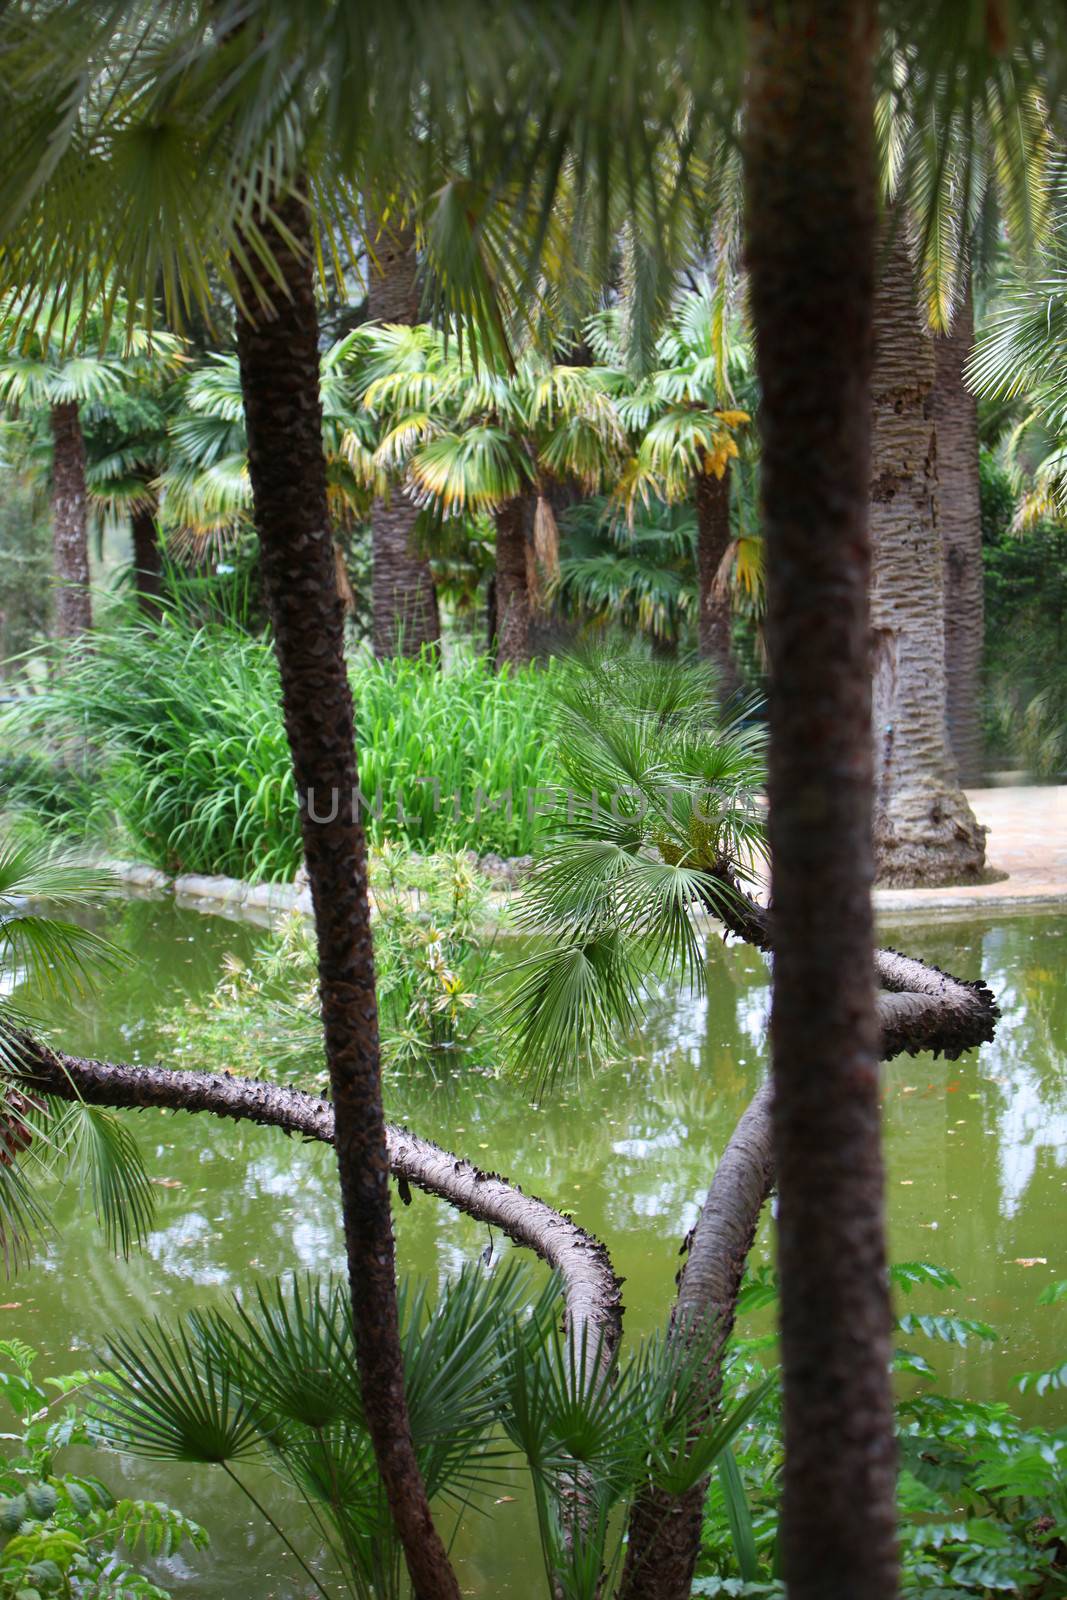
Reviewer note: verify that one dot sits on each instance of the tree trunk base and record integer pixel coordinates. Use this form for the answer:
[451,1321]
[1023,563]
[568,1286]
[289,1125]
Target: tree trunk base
[928,838]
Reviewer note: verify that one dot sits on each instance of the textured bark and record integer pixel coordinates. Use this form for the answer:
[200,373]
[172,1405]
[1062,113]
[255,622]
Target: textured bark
[664,1532]
[403,599]
[147,559]
[70,534]
[512,584]
[919,1008]
[955,414]
[715,619]
[590,1287]
[924,829]
[810,188]
[279,362]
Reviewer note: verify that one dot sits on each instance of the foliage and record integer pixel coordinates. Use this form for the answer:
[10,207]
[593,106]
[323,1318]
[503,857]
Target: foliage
[661,816]
[638,574]
[185,724]
[25,565]
[43,951]
[1026,639]
[274,1377]
[433,961]
[982,1497]
[65,1533]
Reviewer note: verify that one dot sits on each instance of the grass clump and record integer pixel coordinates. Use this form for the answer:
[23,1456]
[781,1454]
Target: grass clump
[181,728]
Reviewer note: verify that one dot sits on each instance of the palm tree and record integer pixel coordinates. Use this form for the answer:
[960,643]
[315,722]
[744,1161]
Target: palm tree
[204,487]
[466,439]
[809,169]
[404,601]
[681,417]
[636,573]
[57,361]
[126,449]
[924,829]
[955,415]
[960,168]
[810,209]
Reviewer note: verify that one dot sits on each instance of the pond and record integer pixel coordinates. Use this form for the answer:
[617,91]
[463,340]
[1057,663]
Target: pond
[977,1156]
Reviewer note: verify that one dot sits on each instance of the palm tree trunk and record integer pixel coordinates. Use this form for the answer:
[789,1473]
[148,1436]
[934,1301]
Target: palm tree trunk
[955,413]
[147,557]
[715,621]
[810,187]
[924,830]
[664,1532]
[512,583]
[70,534]
[403,599]
[280,384]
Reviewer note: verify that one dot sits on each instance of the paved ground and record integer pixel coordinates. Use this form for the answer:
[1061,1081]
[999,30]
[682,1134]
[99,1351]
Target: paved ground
[1027,839]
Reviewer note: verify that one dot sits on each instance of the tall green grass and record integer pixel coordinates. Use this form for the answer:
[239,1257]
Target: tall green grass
[188,751]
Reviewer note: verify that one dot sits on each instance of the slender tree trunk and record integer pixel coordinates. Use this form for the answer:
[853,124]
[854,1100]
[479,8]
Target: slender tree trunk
[810,186]
[70,534]
[147,557]
[715,620]
[512,583]
[280,384]
[955,414]
[403,599]
[924,830]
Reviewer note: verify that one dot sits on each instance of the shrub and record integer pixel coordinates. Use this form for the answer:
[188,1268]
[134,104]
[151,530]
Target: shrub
[434,962]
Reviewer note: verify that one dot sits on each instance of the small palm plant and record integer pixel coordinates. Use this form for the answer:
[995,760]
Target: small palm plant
[661,818]
[44,951]
[273,1380]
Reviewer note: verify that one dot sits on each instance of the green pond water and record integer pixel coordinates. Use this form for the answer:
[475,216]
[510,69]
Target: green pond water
[977,1158]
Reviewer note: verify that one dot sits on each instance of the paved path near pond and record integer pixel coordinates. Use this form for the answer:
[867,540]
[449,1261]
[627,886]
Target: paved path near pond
[1027,839]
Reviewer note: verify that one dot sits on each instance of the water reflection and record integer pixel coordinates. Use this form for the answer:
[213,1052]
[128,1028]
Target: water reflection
[976,1150]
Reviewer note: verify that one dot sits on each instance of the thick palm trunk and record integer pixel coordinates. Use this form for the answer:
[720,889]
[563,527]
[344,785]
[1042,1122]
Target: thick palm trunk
[955,414]
[280,384]
[70,534]
[147,558]
[715,621]
[512,591]
[403,599]
[810,187]
[924,830]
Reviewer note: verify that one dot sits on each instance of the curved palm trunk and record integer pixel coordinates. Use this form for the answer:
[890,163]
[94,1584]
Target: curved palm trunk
[147,557]
[280,384]
[919,1008]
[955,413]
[512,592]
[70,534]
[810,186]
[715,620]
[924,830]
[403,599]
[664,1532]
